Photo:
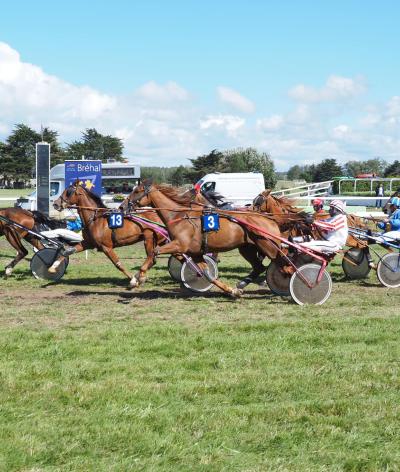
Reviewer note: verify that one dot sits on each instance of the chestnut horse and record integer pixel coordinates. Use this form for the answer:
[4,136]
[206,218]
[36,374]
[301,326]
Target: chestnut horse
[97,234]
[237,229]
[14,235]
[282,208]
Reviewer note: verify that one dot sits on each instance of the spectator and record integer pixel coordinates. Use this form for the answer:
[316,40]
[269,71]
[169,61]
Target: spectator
[126,188]
[379,193]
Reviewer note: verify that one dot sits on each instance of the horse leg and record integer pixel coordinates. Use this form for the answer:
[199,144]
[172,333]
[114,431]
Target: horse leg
[149,245]
[77,248]
[233,292]
[111,254]
[251,254]
[14,239]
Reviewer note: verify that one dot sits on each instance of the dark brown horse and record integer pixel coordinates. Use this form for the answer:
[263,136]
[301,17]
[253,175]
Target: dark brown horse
[97,234]
[15,235]
[237,229]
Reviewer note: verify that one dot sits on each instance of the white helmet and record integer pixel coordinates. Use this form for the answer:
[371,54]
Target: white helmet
[338,205]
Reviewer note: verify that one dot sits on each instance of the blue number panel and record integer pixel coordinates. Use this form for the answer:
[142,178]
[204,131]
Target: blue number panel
[115,220]
[210,222]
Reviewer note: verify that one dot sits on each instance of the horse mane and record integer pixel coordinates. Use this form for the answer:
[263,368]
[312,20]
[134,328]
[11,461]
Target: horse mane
[174,194]
[99,202]
[287,203]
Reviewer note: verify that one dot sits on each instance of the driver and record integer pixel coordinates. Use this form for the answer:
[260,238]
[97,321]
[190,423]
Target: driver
[334,230]
[393,222]
[318,205]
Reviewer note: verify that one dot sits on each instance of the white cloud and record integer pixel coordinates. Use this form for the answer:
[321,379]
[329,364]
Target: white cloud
[341,131]
[336,89]
[27,88]
[162,93]
[233,98]
[229,123]
[274,122]
[161,124]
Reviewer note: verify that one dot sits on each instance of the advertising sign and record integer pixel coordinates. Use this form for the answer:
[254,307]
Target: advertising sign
[88,173]
[43,177]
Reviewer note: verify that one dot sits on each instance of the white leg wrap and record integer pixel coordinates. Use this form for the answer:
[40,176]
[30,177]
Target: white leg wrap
[134,282]
[53,268]
[9,271]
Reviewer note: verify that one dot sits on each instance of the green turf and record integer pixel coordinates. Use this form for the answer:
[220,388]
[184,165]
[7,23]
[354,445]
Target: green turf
[94,377]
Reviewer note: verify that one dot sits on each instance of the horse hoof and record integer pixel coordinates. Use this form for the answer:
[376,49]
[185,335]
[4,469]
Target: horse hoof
[237,292]
[262,283]
[133,282]
[8,271]
[242,284]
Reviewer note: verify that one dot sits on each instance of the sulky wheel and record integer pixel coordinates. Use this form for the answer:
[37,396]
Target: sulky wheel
[175,267]
[278,281]
[196,282]
[355,264]
[43,259]
[317,294]
[388,270]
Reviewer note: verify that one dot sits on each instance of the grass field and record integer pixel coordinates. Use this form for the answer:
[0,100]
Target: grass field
[12,193]
[95,377]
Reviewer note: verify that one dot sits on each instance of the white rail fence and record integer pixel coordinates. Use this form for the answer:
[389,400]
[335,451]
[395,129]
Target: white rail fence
[310,189]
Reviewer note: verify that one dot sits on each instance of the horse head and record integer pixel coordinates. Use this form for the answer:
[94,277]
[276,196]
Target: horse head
[68,198]
[77,195]
[139,197]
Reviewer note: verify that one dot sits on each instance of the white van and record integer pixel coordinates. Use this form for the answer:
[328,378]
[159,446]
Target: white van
[239,188]
[114,176]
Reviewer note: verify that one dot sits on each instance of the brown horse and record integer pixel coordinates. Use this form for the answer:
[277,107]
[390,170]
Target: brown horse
[283,208]
[237,229]
[97,234]
[14,235]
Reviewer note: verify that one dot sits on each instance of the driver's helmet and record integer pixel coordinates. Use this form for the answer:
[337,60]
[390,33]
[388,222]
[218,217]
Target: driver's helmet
[197,188]
[338,205]
[318,203]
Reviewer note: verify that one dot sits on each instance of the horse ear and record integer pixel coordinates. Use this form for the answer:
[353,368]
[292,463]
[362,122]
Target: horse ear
[267,192]
[76,183]
[147,182]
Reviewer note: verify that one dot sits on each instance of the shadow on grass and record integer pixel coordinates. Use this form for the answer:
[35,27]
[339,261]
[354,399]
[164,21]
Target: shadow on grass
[176,294]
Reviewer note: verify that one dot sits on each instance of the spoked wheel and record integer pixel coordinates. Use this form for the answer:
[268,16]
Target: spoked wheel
[44,259]
[278,281]
[355,264]
[317,294]
[388,270]
[175,267]
[195,281]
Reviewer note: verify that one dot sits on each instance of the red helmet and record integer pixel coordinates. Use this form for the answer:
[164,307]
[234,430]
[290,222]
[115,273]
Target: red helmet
[197,187]
[317,201]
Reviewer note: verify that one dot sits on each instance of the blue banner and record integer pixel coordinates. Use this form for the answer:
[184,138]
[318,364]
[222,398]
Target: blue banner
[87,172]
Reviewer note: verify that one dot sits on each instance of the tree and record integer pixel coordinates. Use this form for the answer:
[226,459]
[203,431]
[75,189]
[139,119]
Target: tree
[57,153]
[306,172]
[251,160]
[372,166]
[326,170]
[19,154]
[205,164]
[94,145]
[179,176]
[393,170]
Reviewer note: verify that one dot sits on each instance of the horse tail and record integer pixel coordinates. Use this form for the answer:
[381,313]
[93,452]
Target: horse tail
[42,219]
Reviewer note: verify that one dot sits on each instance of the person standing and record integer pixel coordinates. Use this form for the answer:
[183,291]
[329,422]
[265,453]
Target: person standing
[379,193]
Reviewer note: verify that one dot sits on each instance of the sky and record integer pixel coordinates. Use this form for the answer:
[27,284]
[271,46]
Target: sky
[301,80]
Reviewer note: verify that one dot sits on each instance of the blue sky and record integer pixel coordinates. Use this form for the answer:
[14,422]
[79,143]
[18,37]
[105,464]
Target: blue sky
[301,80]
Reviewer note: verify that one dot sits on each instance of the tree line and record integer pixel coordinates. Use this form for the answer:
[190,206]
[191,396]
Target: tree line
[17,160]
[18,151]
[329,168]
